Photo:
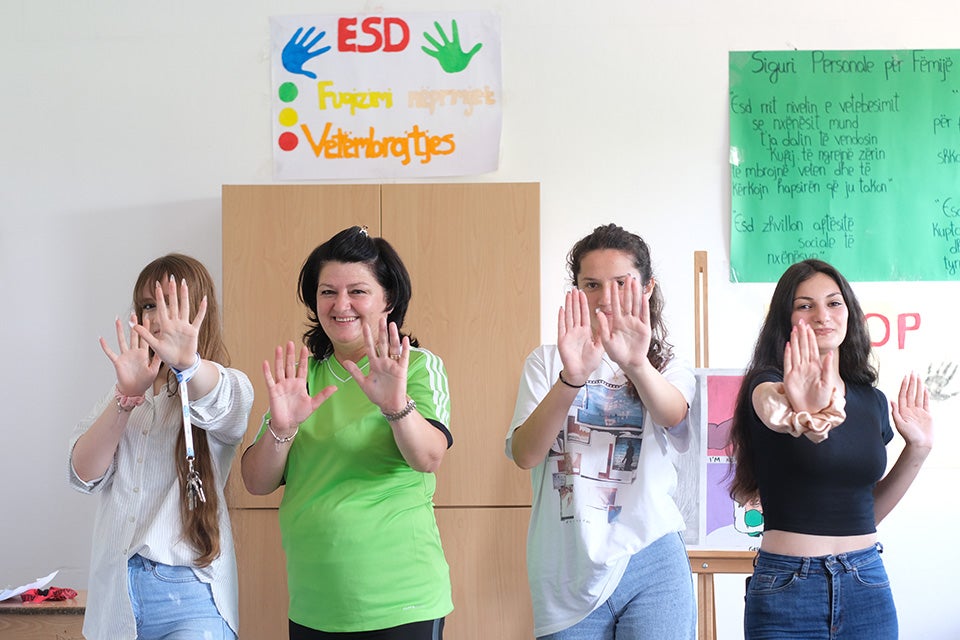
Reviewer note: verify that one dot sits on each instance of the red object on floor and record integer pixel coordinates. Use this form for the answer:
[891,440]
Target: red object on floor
[53,593]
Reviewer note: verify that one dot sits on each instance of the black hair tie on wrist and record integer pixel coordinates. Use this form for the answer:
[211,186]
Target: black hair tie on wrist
[572,386]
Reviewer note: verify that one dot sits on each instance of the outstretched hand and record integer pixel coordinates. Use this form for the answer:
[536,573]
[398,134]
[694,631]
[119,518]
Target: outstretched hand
[627,332]
[580,350]
[136,368]
[808,380]
[911,412]
[290,402]
[177,337]
[389,357]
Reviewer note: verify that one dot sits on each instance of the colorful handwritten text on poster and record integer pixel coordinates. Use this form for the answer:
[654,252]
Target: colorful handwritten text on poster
[852,157]
[385,96]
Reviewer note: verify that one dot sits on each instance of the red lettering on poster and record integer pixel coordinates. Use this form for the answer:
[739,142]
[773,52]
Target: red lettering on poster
[905,322]
[375,34]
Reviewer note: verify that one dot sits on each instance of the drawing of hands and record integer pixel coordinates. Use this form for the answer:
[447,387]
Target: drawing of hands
[451,57]
[296,52]
[937,380]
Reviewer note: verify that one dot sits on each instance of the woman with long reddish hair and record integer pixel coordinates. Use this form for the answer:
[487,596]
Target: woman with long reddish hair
[157,448]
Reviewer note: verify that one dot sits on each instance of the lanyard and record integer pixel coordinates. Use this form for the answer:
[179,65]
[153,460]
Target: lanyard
[194,486]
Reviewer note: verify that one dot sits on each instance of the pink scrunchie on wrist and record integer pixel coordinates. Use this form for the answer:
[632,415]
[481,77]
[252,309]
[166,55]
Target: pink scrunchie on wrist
[775,411]
[127,403]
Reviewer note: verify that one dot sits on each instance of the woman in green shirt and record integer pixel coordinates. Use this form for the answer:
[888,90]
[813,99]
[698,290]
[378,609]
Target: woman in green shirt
[358,424]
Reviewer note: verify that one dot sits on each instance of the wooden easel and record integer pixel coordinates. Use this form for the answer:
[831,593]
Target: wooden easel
[701,330]
[702,562]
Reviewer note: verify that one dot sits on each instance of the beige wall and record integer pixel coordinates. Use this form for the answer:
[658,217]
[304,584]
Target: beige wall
[122,120]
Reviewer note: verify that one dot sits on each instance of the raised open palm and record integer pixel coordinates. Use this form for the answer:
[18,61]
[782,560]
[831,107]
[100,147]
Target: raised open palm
[136,368]
[808,380]
[580,351]
[290,402]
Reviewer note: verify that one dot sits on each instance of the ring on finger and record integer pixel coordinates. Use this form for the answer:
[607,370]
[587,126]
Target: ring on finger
[394,356]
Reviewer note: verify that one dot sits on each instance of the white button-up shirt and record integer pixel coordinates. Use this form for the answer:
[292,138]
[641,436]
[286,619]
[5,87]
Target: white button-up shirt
[139,510]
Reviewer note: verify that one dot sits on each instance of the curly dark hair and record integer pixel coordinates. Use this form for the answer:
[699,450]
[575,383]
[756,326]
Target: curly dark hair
[611,236]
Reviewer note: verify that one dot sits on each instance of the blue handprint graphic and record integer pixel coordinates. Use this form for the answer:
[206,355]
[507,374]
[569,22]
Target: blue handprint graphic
[450,56]
[297,52]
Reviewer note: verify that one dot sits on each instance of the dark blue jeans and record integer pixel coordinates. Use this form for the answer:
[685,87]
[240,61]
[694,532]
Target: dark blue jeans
[841,597]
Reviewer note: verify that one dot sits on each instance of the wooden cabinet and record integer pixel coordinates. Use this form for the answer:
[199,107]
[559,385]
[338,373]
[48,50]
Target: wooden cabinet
[486,550]
[473,255]
[267,234]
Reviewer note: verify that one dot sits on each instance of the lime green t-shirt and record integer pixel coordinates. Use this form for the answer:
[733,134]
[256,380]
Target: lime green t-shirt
[362,545]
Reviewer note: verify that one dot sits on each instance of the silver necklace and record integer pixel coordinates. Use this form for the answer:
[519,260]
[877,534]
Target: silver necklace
[613,366]
[348,378]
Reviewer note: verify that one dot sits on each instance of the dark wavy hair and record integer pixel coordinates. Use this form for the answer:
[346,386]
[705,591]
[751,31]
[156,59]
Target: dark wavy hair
[611,236]
[854,352]
[201,526]
[354,245]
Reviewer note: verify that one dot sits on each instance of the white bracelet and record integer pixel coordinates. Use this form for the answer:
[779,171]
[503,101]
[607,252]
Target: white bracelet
[184,375]
[280,440]
[403,413]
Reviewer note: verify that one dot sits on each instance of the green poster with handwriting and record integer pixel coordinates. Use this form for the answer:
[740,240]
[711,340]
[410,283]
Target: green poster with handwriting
[852,157]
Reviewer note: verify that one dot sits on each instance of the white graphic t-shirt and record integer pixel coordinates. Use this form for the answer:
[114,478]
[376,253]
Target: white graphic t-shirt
[605,490]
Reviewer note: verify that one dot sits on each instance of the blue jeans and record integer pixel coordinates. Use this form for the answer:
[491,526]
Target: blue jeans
[654,600]
[846,597]
[170,603]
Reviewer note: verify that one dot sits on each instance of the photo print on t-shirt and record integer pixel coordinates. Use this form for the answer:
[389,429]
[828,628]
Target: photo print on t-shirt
[601,450]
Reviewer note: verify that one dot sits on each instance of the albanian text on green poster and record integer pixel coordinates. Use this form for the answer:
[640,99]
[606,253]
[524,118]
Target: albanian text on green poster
[852,157]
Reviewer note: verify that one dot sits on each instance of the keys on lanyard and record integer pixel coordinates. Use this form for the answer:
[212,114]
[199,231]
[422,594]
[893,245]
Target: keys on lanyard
[194,486]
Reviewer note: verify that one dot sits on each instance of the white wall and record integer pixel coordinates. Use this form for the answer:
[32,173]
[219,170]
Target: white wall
[120,121]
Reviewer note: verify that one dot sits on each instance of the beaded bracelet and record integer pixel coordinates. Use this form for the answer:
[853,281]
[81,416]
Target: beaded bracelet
[403,413]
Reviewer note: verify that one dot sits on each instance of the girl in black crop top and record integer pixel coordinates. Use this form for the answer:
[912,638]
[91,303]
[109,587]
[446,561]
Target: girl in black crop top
[809,432]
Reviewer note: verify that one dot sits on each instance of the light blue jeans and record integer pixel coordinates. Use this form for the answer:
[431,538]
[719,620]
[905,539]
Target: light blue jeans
[170,603]
[846,596]
[654,600]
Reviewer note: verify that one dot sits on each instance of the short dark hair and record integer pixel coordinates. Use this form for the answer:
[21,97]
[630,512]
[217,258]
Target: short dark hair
[354,245]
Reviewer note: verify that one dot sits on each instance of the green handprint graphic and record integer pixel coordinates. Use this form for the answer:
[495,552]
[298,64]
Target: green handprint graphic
[451,57]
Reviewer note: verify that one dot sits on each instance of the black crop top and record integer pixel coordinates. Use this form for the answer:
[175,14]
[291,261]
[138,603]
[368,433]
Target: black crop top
[827,488]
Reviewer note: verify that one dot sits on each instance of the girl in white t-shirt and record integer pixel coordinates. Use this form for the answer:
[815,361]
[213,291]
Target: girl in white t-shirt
[600,417]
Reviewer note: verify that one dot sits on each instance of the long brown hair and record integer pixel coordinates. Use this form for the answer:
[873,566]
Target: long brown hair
[201,526]
[854,360]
